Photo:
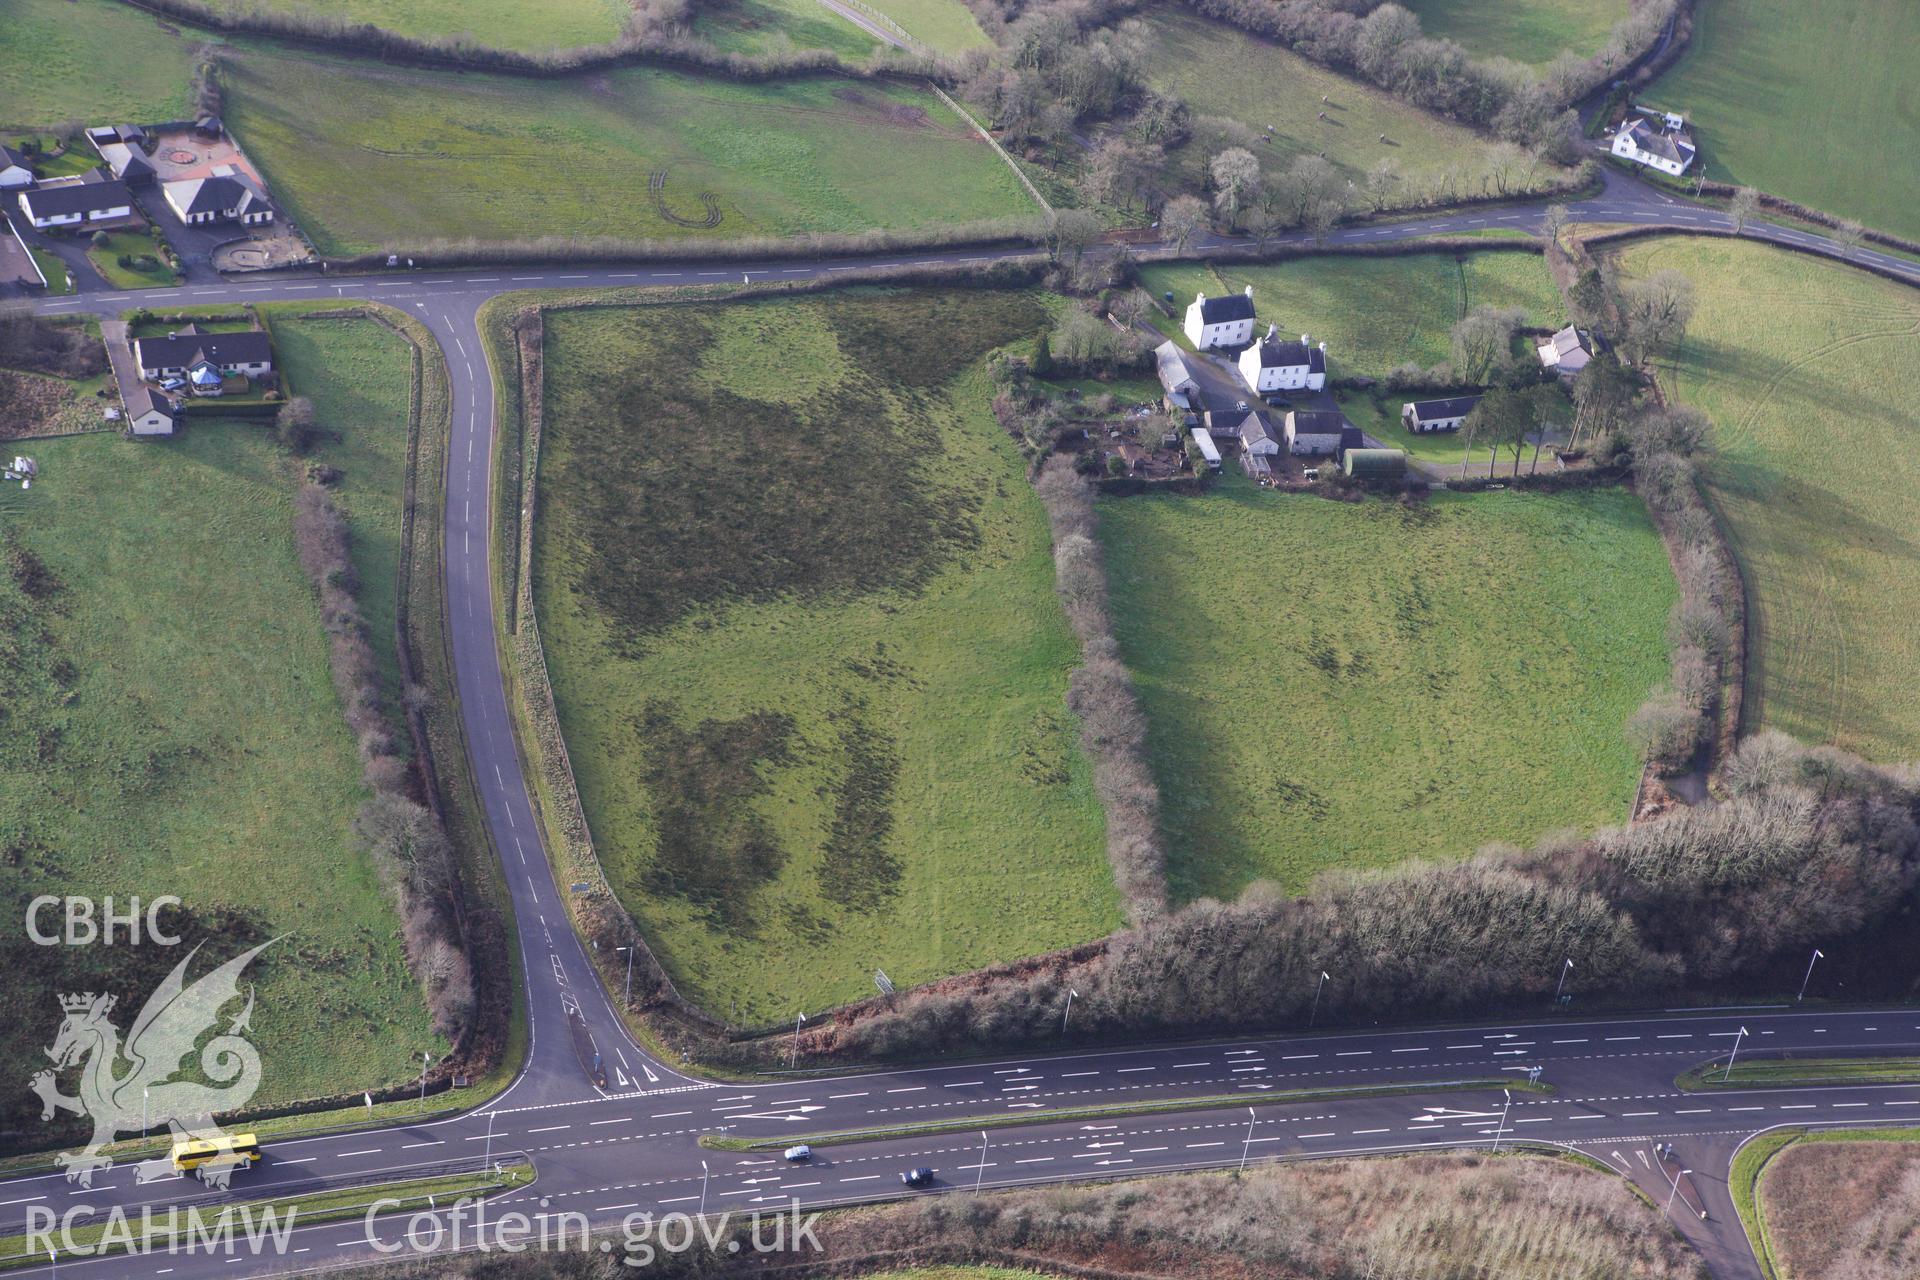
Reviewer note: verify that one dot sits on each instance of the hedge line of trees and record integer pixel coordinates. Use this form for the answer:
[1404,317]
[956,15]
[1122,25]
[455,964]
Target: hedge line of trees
[1113,728]
[415,859]
[1811,848]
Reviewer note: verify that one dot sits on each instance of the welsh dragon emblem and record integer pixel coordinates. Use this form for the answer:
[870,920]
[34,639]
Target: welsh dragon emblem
[163,1037]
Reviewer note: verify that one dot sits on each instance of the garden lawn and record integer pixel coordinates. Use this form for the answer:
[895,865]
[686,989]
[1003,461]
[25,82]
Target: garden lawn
[1359,684]
[1802,365]
[173,730]
[149,269]
[366,155]
[501,24]
[1222,71]
[1531,31]
[1374,314]
[89,60]
[1844,74]
[796,597]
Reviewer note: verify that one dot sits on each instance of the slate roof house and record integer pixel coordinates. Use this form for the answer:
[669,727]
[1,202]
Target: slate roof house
[1259,434]
[127,162]
[74,204]
[1314,431]
[1273,364]
[149,413]
[223,197]
[15,172]
[1567,352]
[1176,376]
[203,359]
[1220,322]
[1437,415]
[1669,149]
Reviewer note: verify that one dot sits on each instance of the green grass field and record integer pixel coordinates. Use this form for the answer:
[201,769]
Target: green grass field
[767,26]
[1798,361]
[89,60]
[1530,31]
[173,730]
[1843,74]
[365,155]
[1355,685]
[945,26]
[502,25]
[1220,71]
[796,598]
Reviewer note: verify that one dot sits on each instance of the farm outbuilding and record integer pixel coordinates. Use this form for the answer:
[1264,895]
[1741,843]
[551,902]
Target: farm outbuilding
[1375,464]
[1203,441]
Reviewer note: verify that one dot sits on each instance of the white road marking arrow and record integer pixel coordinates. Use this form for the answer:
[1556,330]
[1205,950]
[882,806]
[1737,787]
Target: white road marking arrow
[798,1113]
[1448,1113]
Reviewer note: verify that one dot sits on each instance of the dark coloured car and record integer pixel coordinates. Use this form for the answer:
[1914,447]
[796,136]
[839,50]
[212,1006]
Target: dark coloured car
[922,1177]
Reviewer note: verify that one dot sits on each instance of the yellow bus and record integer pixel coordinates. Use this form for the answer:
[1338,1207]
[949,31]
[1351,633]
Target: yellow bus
[237,1149]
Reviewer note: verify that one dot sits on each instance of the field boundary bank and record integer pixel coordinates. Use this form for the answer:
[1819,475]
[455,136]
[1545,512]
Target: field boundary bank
[394,48]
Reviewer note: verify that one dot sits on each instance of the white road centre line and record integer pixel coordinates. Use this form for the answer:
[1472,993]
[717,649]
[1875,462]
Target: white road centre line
[1075,1075]
[552,1128]
[346,1155]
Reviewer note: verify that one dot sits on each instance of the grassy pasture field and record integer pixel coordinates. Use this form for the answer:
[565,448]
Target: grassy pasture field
[763,26]
[945,26]
[1841,73]
[1354,685]
[1531,31]
[366,155]
[549,24]
[173,729]
[1221,71]
[1797,361]
[89,60]
[796,597]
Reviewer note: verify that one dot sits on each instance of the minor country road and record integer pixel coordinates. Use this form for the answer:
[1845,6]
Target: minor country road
[631,1147]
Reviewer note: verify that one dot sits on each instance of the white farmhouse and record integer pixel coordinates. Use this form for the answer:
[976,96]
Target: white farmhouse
[1566,352]
[1422,416]
[1668,148]
[1271,364]
[1220,322]
[227,196]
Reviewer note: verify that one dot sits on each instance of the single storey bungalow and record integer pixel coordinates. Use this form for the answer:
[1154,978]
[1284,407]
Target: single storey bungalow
[127,162]
[15,172]
[75,204]
[1669,149]
[1273,364]
[204,358]
[1567,352]
[1421,416]
[1220,322]
[224,197]
[1311,431]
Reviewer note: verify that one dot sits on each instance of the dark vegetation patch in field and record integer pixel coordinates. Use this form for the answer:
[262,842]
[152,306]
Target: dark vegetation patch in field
[713,847]
[814,503]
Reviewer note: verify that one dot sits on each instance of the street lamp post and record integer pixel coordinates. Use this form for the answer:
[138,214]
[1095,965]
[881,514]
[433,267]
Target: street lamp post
[486,1161]
[1248,1144]
[981,1172]
[704,1172]
[794,1055]
[1565,969]
[1808,977]
[426,1060]
[1071,993]
[626,996]
[1676,1188]
[143,1111]
[1501,1131]
[1317,988]
[1736,1053]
